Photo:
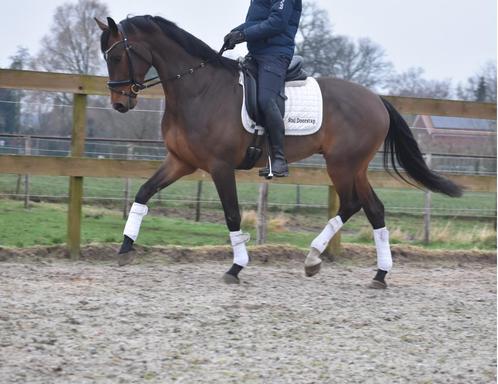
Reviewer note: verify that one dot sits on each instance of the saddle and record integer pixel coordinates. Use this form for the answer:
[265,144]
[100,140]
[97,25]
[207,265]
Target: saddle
[249,70]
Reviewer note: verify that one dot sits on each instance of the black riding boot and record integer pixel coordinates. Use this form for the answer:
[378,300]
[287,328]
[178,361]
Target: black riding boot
[273,119]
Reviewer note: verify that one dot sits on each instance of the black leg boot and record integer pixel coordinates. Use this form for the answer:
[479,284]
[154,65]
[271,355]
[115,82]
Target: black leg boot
[276,130]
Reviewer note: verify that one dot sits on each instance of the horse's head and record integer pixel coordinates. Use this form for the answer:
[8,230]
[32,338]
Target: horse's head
[128,61]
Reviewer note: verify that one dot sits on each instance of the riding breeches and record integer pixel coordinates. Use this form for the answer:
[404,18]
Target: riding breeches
[271,80]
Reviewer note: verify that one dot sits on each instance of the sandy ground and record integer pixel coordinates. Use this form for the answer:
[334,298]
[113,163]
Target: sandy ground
[167,319]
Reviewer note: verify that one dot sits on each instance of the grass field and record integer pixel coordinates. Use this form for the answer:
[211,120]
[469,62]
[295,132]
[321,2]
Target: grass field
[282,197]
[45,224]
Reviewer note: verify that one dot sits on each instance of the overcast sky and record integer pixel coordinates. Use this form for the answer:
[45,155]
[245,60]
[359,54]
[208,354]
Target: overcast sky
[448,38]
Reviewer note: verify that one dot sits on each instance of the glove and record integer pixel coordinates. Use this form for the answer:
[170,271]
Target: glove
[234,38]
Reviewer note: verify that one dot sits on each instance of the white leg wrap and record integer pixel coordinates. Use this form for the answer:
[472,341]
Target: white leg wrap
[322,240]
[132,227]
[239,240]
[384,258]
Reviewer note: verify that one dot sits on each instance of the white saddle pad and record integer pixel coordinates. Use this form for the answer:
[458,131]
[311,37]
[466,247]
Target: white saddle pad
[303,108]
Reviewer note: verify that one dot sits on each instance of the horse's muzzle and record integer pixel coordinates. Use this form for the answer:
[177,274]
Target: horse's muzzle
[121,107]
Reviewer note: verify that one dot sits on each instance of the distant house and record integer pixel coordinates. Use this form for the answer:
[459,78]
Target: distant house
[455,135]
[452,125]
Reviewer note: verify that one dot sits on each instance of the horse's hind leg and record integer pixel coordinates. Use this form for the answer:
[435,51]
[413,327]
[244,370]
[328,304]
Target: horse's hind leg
[374,209]
[343,180]
[171,170]
[224,179]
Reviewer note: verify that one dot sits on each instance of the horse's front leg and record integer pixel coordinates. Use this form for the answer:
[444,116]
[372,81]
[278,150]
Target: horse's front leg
[171,170]
[224,178]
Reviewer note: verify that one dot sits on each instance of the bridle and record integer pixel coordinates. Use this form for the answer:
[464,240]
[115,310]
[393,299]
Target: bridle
[135,85]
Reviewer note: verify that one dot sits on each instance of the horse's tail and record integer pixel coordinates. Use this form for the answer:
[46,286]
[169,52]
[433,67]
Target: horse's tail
[401,147]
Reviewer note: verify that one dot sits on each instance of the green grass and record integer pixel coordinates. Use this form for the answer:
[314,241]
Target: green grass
[110,192]
[45,224]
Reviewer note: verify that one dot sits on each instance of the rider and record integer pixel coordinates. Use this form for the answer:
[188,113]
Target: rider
[270,30]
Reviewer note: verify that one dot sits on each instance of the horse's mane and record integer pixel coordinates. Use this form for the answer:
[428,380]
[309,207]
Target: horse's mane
[187,41]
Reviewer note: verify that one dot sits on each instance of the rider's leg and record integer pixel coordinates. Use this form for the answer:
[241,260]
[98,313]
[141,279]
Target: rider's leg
[271,80]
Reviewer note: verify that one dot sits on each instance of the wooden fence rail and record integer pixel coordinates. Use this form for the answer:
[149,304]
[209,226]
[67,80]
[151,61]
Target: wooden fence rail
[78,167]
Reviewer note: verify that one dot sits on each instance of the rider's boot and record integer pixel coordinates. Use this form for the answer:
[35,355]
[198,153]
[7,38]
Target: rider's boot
[273,119]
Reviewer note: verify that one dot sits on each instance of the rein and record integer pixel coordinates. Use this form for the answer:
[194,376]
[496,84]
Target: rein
[136,86]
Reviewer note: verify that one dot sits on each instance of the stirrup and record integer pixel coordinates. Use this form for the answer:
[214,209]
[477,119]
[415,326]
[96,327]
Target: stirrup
[269,175]
[266,172]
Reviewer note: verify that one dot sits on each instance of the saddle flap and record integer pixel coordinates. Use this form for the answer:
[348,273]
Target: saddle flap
[250,71]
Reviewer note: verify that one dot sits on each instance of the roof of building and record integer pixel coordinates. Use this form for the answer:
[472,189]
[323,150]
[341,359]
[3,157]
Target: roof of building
[455,123]
[444,122]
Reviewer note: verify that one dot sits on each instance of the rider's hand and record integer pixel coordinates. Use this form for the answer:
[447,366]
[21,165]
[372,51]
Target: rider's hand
[234,38]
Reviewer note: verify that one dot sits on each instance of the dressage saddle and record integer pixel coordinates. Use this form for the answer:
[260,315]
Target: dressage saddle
[249,69]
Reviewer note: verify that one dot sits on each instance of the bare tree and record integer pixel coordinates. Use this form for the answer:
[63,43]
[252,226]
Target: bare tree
[412,83]
[315,40]
[73,46]
[10,99]
[327,54]
[363,62]
[73,42]
[481,86]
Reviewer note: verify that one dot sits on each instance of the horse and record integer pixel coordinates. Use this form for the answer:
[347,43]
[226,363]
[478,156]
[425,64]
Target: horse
[202,129]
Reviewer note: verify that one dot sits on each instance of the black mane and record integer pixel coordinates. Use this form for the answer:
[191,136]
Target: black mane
[187,41]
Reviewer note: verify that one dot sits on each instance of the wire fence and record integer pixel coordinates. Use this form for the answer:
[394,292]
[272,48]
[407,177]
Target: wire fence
[108,148]
[118,193]
[479,158]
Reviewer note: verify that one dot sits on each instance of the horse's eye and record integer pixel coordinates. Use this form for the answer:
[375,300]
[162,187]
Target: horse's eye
[115,59]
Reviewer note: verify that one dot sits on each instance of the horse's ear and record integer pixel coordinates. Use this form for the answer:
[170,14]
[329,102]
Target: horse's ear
[112,26]
[101,24]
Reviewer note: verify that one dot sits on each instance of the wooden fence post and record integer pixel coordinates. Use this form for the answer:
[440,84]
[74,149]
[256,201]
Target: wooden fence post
[27,152]
[262,214]
[76,182]
[298,197]
[126,203]
[334,247]
[427,207]
[19,176]
[198,201]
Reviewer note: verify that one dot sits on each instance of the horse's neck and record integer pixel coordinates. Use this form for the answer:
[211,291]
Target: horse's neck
[180,92]
[171,63]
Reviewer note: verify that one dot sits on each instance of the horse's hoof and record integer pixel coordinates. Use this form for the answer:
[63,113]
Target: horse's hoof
[313,269]
[230,279]
[126,258]
[376,284]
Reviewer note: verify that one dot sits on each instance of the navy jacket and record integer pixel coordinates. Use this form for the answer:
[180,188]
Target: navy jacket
[271,26]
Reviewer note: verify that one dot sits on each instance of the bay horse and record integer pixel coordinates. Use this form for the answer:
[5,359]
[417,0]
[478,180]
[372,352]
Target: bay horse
[202,129]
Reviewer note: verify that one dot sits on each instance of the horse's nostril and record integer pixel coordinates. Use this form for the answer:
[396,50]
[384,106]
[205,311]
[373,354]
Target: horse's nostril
[120,107]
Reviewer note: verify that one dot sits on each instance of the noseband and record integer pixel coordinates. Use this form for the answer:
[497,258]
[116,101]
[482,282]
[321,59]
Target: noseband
[135,86]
